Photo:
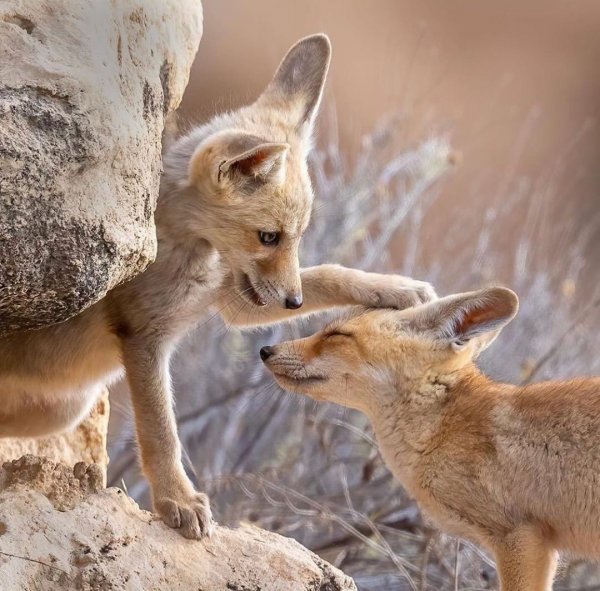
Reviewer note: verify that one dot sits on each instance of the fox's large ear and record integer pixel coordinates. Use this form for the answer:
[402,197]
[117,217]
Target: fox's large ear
[473,318]
[297,86]
[242,159]
[263,162]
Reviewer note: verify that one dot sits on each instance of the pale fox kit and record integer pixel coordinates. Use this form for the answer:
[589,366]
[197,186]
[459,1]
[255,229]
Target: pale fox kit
[235,200]
[515,469]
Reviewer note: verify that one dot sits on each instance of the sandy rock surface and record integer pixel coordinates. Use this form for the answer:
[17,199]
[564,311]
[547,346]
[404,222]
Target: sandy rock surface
[84,90]
[58,531]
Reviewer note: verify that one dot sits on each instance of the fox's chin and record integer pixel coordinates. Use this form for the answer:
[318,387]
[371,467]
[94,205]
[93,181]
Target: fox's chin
[304,385]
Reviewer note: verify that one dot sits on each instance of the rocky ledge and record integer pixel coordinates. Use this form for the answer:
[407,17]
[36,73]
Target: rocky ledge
[60,530]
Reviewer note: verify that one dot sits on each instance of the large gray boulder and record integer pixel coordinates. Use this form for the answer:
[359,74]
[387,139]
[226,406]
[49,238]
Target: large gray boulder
[85,86]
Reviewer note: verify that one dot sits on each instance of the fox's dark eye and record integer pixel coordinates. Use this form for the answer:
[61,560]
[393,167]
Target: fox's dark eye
[269,238]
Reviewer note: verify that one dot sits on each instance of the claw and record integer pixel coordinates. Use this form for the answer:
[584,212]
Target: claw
[189,513]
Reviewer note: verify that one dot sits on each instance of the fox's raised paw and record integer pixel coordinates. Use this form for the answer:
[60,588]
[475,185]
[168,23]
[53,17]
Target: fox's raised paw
[400,292]
[188,512]
[420,292]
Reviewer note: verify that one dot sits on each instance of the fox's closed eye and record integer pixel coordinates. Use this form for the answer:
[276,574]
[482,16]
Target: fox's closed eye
[337,333]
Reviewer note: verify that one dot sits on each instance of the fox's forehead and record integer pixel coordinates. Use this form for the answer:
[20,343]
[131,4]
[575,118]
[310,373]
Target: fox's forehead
[363,321]
[368,323]
[296,196]
[285,209]
[294,214]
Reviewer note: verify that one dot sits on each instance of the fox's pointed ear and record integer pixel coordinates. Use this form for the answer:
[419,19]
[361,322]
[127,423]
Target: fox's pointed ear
[297,86]
[260,163]
[474,318]
[242,159]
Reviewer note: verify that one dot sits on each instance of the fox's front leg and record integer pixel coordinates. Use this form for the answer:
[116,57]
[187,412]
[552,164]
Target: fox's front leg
[334,285]
[331,286]
[525,561]
[173,495]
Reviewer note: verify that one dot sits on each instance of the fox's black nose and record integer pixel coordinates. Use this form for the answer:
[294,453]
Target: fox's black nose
[266,352]
[293,303]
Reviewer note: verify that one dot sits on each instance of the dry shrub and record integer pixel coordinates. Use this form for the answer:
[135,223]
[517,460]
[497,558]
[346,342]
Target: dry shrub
[313,472]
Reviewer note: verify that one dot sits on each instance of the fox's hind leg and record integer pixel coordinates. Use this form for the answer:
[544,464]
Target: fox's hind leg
[525,562]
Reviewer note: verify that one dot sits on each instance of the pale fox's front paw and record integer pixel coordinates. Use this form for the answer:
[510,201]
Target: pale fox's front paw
[181,507]
[414,293]
[395,291]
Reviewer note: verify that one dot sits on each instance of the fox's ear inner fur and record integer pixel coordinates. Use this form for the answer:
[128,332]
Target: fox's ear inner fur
[298,83]
[239,158]
[460,318]
[260,163]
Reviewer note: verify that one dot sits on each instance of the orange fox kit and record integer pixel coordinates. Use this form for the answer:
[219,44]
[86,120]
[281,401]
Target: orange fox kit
[514,469]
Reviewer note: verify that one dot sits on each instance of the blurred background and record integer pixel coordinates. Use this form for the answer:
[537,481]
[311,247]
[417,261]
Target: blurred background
[458,142]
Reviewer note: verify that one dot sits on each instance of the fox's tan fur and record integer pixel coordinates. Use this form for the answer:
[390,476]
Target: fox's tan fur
[515,469]
[240,174]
